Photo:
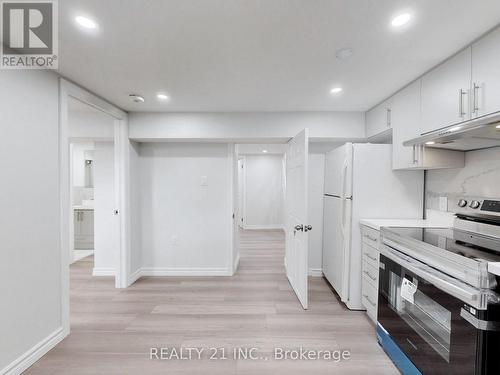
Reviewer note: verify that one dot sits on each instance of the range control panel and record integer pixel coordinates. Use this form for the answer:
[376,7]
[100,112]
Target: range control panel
[477,205]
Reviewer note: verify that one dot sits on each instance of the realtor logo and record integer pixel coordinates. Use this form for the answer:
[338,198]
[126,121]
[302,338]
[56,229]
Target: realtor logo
[28,35]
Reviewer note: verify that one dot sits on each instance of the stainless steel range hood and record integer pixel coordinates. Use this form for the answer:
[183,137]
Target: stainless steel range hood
[476,134]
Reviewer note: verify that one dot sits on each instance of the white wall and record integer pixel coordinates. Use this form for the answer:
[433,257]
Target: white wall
[316,191]
[185,208]
[30,272]
[264,191]
[229,127]
[480,177]
[105,223]
[89,123]
[135,212]
[79,155]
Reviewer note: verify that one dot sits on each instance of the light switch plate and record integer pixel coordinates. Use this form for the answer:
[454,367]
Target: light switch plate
[443,203]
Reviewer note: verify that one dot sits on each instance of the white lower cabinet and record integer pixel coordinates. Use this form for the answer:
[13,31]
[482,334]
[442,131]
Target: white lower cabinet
[370,264]
[84,229]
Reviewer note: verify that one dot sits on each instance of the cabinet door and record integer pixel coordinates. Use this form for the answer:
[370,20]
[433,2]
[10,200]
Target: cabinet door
[87,223]
[405,126]
[76,223]
[486,75]
[378,119]
[445,93]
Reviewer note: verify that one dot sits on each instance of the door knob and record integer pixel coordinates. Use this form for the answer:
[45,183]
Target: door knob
[307,228]
[299,227]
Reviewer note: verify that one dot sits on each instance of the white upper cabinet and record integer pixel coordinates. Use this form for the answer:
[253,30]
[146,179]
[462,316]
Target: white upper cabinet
[379,119]
[485,88]
[405,126]
[445,93]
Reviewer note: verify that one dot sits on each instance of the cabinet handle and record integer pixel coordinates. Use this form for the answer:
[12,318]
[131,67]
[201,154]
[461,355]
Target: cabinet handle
[372,258]
[475,98]
[461,95]
[369,275]
[389,119]
[371,238]
[369,300]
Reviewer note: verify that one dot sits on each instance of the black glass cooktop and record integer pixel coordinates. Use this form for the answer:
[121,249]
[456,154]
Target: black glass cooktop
[457,241]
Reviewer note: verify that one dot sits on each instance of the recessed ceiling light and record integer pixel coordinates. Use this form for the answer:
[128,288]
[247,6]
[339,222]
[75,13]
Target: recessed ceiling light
[86,22]
[401,20]
[430,143]
[136,98]
[454,129]
[344,53]
[162,96]
[336,90]
[264,151]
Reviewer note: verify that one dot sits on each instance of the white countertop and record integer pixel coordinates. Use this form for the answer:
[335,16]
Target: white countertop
[83,208]
[415,223]
[435,219]
[494,268]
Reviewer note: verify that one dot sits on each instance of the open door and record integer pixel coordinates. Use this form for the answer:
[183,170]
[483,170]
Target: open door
[296,220]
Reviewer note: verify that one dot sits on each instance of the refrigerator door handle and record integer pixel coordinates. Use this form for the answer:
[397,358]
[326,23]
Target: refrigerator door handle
[342,195]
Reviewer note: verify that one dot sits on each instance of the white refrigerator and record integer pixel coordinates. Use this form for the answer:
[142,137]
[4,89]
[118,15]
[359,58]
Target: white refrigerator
[360,184]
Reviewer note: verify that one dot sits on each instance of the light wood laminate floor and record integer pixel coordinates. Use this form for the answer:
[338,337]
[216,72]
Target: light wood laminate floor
[112,330]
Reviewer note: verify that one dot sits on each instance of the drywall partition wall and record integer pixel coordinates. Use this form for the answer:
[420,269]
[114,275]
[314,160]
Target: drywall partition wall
[105,223]
[480,177]
[316,191]
[30,271]
[229,127]
[86,122]
[185,209]
[264,192]
[135,213]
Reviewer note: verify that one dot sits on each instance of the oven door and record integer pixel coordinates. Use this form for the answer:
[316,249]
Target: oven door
[425,322]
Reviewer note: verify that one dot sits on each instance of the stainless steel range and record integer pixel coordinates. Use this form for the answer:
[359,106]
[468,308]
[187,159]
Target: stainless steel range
[439,302]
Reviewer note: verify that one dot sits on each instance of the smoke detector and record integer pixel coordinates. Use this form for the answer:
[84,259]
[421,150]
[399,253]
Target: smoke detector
[136,98]
[344,53]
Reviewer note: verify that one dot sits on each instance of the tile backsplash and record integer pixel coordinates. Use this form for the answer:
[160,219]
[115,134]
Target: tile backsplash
[479,177]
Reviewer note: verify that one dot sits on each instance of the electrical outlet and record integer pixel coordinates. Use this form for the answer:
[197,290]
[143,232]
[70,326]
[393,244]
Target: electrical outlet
[174,240]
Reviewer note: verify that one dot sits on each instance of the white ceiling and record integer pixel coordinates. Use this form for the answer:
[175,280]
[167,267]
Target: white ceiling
[261,55]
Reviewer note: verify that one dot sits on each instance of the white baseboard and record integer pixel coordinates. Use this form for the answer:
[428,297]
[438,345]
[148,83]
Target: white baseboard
[135,276]
[236,263]
[263,227]
[180,271]
[316,272]
[22,363]
[102,271]
[80,254]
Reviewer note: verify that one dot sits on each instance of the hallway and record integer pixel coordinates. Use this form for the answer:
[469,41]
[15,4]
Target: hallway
[254,308]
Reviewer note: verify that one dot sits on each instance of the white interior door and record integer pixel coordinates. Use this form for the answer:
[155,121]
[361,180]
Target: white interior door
[296,221]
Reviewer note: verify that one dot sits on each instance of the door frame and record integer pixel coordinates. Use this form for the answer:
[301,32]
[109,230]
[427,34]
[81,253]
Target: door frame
[242,200]
[69,90]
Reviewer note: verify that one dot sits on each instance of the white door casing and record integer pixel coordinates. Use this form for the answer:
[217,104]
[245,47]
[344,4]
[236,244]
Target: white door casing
[296,253]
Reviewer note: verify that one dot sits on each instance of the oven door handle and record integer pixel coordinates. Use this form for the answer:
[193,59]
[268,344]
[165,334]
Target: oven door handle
[447,284]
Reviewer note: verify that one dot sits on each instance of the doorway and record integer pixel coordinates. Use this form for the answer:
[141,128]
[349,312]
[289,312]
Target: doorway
[93,188]
[268,205]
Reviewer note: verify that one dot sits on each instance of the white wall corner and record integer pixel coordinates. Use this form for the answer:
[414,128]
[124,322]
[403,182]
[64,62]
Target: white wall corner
[315,272]
[236,264]
[102,271]
[134,276]
[26,360]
